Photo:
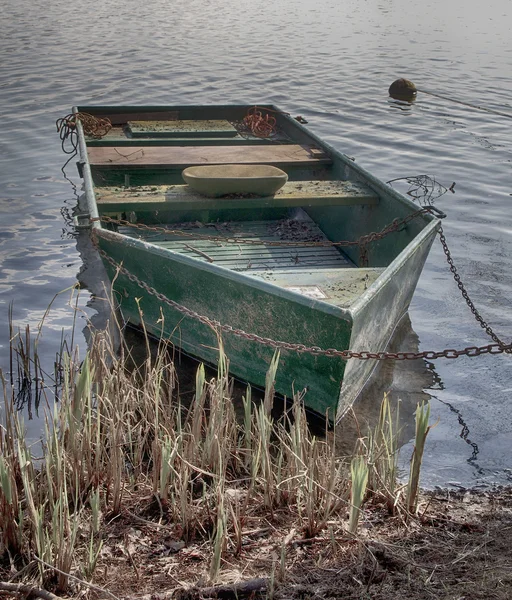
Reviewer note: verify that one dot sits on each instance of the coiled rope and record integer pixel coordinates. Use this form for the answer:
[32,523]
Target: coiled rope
[92,126]
[67,129]
[259,124]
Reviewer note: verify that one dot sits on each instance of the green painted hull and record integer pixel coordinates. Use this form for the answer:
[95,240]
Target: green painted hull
[244,304]
[347,306]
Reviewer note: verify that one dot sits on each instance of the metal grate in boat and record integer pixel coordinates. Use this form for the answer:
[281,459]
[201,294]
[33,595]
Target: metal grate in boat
[243,257]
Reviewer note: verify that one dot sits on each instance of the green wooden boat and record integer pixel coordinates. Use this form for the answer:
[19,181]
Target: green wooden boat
[265,265]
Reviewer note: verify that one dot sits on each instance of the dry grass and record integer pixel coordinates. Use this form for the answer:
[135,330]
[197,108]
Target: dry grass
[119,442]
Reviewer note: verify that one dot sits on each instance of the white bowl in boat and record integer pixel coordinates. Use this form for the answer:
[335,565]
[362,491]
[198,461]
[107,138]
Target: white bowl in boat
[221,180]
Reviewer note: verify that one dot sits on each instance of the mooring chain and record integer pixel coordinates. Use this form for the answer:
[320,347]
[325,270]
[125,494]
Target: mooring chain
[464,292]
[498,348]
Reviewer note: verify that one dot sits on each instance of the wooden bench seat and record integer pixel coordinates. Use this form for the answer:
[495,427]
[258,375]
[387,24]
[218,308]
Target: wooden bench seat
[181,197]
[168,157]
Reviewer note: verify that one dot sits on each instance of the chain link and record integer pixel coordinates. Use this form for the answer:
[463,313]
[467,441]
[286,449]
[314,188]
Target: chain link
[362,242]
[464,292]
[498,348]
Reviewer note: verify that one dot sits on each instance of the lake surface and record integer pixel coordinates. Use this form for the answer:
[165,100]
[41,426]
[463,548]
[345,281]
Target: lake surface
[331,62]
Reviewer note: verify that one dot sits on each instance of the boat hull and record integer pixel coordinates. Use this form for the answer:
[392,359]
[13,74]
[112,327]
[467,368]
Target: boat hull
[377,313]
[242,303]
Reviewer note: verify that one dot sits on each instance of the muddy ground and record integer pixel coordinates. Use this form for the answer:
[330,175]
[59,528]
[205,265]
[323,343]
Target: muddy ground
[459,548]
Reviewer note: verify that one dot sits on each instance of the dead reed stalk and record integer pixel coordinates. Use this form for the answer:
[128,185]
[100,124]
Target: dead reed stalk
[115,432]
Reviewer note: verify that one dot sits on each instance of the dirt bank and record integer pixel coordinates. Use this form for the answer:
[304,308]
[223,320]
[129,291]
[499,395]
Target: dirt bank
[459,548]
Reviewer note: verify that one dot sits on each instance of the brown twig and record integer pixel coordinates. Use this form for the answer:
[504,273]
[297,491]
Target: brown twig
[235,590]
[130,154]
[86,583]
[29,591]
[130,557]
[200,252]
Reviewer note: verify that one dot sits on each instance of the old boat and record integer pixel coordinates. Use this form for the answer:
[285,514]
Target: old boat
[292,266]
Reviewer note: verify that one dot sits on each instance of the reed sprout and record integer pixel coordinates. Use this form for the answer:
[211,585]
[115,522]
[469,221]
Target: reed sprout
[382,450]
[422,429]
[359,478]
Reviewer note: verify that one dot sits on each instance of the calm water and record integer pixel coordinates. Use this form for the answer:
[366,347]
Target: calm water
[331,62]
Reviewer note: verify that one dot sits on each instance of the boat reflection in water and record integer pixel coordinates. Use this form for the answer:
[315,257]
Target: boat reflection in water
[404,380]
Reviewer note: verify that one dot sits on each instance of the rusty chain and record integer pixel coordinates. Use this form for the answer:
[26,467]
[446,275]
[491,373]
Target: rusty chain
[98,127]
[361,242]
[498,348]
[464,292]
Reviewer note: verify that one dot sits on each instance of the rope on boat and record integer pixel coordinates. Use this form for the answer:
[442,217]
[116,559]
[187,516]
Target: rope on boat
[259,124]
[67,129]
[92,126]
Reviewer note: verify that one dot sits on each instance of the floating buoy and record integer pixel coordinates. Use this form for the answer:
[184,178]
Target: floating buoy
[402,89]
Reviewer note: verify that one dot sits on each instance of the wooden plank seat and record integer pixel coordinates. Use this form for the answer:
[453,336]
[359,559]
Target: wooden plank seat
[119,136]
[168,157]
[182,128]
[179,197]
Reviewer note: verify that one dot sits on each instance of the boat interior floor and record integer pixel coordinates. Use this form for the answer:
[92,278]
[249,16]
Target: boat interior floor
[321,272]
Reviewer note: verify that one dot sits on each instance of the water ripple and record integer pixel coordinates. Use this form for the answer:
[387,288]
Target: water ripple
[331,63]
